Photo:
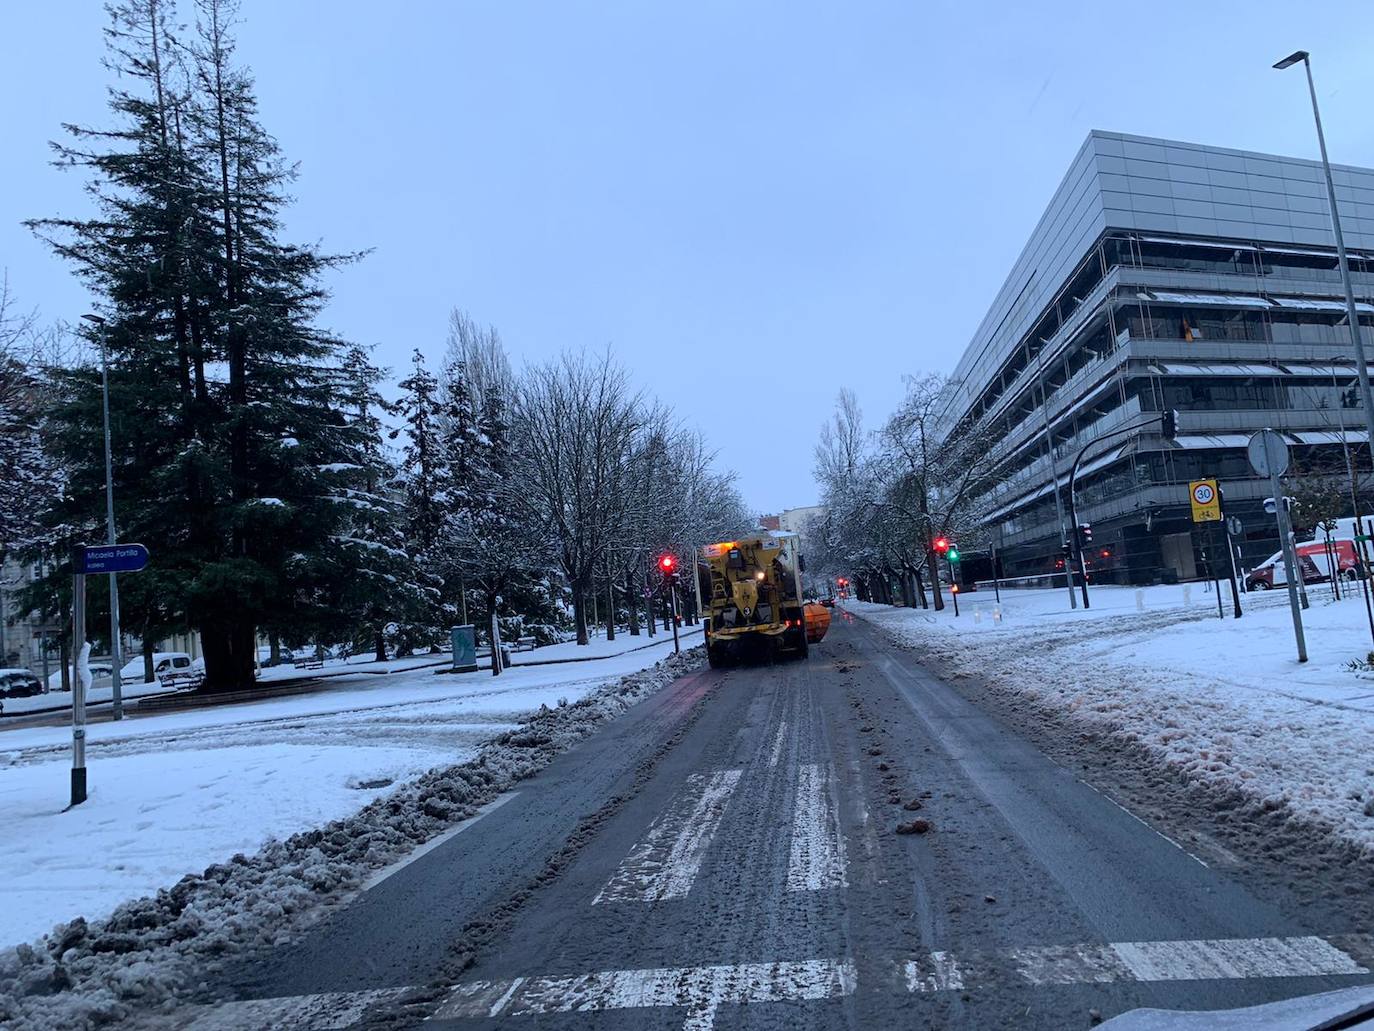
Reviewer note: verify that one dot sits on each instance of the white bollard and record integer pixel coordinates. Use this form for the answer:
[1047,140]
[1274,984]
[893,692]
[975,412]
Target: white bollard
[977,616]
[1187,595]
[997,614]
[1139,600]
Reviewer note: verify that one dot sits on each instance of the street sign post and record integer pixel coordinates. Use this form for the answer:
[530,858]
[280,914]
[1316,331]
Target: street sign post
[1268,453]
[105,558]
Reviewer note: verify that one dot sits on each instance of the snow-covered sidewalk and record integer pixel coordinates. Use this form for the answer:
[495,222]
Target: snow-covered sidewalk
[1223,700]
[175,792]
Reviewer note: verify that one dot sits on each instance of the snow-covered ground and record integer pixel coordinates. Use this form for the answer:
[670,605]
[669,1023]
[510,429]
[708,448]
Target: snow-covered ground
[174,792]
[597,648]
[1223,700]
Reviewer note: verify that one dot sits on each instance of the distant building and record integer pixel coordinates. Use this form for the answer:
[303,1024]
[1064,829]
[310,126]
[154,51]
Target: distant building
[21,631]
[770,522]
[798,519]
[1166,276]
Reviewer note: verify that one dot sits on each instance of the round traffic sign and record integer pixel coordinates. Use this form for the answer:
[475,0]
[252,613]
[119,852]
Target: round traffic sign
[1268,453]
[1203,493]
[1234,526]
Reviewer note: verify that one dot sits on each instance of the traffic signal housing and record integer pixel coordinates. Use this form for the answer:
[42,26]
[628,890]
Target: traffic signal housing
[941,545]
[667,564]
[1168,423]
[1085,535]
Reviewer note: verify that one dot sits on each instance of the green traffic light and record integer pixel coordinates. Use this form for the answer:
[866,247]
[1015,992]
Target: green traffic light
[953,555]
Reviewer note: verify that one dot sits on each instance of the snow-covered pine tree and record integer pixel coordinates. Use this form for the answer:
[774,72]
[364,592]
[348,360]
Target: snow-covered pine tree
[382,584]
[423,480]
[222,388]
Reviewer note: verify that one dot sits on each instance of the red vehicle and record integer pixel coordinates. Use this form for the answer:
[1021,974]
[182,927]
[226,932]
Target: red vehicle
[1313,561]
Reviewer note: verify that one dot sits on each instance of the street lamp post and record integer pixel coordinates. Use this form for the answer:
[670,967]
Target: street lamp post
[1352,312]
[116,656]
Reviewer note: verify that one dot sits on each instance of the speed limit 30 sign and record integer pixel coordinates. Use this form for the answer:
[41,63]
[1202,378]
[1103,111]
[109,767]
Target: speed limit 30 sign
[1206,501]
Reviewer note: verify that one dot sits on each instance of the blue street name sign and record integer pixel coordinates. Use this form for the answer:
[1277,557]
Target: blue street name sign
[113,558]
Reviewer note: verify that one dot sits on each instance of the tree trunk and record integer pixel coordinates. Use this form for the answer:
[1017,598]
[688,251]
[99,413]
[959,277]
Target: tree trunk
[933,566]
[66,647]
[632,602]
[610,607]
[379,645]
[274,650]
[580,613]
[920,586]
[149,645]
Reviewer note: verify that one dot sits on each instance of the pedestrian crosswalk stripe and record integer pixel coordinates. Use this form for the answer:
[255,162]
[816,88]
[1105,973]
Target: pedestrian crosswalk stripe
[700,990]
[817,860]
[1198,960]
[665,862]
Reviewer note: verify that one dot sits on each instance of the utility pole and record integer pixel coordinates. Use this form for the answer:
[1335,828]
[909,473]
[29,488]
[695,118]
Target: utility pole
[1352,310]
[116,656]
[80,665]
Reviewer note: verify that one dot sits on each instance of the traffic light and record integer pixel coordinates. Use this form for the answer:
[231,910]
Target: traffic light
[1168,423]
[667,564]
[941,545]
[1288,505]
[953,553]
[1085,535]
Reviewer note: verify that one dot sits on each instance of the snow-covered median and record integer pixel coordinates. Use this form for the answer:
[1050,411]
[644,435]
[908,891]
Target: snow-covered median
[1224,701]
[300,792]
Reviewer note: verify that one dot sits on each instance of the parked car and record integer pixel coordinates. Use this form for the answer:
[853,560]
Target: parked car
[163,663]
[19,683]
[101,676]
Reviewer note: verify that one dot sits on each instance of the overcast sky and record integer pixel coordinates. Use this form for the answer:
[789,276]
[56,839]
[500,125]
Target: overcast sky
[753,203]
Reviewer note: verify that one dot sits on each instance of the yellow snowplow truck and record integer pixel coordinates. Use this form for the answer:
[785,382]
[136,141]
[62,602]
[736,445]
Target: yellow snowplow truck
[753,598]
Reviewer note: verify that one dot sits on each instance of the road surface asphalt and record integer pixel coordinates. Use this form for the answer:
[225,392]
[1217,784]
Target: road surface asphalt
[842,842]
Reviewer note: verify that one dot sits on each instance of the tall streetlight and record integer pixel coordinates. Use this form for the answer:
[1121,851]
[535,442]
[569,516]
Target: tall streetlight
[1352,313]
[116,658]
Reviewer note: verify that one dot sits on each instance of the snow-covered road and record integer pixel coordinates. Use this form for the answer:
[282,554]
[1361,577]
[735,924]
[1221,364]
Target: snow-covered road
[1224,701]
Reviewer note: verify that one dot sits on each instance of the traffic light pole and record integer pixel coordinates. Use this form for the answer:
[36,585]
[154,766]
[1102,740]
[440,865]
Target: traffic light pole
[672,596]
[1073,504]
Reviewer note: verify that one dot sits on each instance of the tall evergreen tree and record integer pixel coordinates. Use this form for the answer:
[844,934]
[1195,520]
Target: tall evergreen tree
[222,387]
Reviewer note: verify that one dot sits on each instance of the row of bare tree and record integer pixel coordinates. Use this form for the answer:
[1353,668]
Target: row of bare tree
[891,493]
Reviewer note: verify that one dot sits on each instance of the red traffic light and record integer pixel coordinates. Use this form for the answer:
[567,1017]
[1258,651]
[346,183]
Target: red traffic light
[942,544]
[667,563]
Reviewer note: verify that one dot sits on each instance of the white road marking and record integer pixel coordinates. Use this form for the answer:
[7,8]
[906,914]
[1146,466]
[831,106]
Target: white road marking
[1201,960]
[434,842]
[1142,822]
[664,863]
[817,860]
[778,741]
[700,990]
[938,972]
[327,1012]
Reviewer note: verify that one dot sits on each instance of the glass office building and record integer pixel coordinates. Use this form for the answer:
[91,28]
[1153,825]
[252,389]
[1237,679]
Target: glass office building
[1167,276]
